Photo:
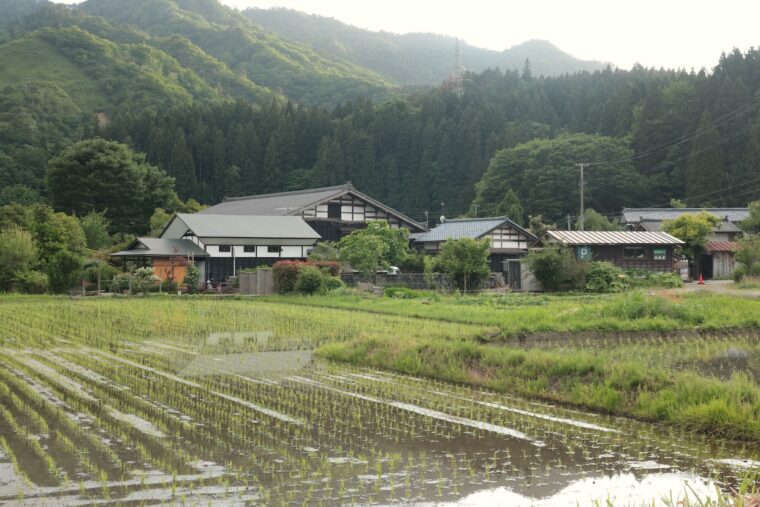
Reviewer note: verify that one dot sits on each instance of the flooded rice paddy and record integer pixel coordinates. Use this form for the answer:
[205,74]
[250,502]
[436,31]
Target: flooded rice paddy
[163,421]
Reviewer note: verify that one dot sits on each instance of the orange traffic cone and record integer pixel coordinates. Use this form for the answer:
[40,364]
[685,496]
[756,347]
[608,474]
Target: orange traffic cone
[701,281]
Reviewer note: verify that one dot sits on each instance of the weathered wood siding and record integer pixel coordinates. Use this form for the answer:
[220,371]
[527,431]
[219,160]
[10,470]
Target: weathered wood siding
[616,255]
[723,265]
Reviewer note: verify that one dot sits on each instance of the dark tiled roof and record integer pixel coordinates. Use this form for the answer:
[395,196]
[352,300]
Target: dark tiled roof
[294,202]
[466,228]
[281,203]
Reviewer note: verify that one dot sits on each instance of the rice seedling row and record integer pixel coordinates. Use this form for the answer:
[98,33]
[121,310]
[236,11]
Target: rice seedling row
[204,401]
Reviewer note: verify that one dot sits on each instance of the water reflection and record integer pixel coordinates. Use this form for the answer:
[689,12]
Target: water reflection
[618,490]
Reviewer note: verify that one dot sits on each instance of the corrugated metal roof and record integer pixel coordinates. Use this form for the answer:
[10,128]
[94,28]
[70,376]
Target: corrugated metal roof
[161,247]
[635,215]
[239,226]
[722,246]
[294,202]
[613,238]
[466,228]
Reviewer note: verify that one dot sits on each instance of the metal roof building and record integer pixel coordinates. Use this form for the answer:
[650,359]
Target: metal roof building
[475,228]
[629,250]
[249,230]
[613,238]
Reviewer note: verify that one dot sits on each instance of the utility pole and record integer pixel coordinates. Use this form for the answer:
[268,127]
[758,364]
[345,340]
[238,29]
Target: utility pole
[582,217]
[568,222]
[442,212]
[427,217]
[476,209]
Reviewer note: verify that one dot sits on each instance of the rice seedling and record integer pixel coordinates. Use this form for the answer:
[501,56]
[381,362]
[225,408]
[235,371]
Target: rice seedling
[198,400]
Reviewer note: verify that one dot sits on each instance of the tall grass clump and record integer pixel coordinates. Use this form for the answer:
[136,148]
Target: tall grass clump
[638,306]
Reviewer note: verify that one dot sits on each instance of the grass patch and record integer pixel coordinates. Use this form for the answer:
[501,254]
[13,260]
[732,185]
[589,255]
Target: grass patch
[523,314]
[595,379]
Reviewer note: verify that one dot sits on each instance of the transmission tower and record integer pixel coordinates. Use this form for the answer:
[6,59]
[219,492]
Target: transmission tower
[457,78]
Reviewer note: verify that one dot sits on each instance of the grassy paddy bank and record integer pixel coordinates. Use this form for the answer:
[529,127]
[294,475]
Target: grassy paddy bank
[703,382]
[525,314]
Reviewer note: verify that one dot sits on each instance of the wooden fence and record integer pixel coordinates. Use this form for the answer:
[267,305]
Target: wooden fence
[259,282]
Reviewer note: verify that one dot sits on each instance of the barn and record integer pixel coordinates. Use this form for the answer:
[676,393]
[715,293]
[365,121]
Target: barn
[629,250]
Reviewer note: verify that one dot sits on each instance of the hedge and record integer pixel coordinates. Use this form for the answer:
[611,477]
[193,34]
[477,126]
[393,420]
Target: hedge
[285,273]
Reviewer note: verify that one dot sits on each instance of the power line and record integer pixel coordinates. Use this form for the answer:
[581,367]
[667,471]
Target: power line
[683,139]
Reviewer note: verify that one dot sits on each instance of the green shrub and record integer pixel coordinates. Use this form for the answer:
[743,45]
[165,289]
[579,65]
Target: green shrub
[285,273]
[107,272]
[748,259]
[165,286]
[64,270]
[605,277]
[192,277]
[32,282]
[414,262]
[312,280]
[120,282]
[740,271]
[557,269]
[639,278]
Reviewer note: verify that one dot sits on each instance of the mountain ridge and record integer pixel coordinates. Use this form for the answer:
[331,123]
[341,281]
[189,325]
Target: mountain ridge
[415,58]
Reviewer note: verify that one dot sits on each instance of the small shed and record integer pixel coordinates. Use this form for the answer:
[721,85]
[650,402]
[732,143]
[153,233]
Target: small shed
[168,257]
[718,260]
[629,250]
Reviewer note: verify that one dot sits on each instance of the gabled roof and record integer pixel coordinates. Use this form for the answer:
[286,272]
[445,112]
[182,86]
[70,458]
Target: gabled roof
[613,238]
[635,215]
[295,202]
[239,226]
[161,247]
[467,228]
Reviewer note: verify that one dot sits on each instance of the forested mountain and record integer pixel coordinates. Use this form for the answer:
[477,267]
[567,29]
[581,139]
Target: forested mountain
[663,134]
[262,56]
[412,58]
[171,79]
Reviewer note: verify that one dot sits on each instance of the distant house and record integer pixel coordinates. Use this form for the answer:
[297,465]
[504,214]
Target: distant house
[718,261]
[508,241]
[167,257]
[222,245]
[639,250]
[333,212]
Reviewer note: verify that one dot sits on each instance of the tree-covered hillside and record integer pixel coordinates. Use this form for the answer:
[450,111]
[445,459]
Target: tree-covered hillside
[262,56]
[413,58]
[171,81]
[650,135]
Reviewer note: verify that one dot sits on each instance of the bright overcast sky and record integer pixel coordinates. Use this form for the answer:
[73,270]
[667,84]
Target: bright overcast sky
[655,33]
